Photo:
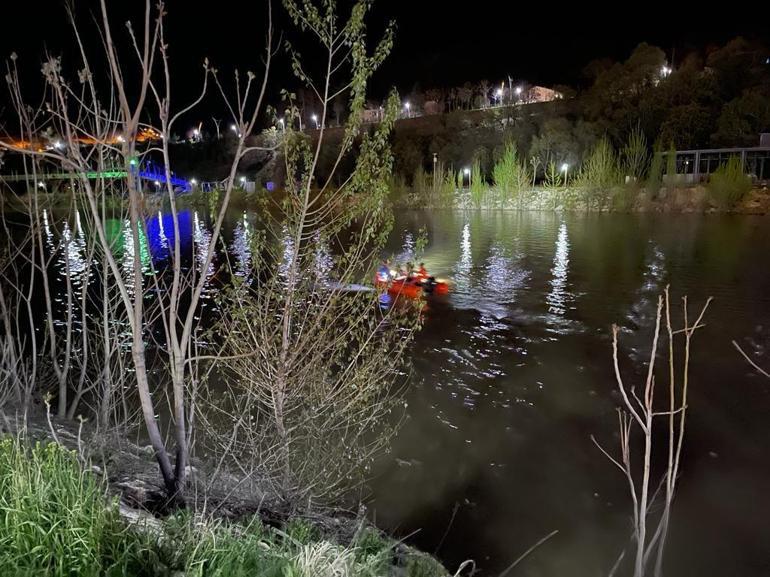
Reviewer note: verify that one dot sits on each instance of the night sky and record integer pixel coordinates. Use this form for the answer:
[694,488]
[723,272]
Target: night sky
[438,43]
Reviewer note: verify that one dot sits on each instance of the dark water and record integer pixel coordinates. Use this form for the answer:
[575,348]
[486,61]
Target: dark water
[512,374]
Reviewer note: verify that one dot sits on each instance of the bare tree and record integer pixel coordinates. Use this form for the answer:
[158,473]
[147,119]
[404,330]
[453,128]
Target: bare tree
[113,126]
[313,361]
[650,529]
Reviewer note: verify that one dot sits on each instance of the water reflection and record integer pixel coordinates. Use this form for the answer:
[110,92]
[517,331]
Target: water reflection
[287,256]
[161,235]
[202,241]
[492,285]
[72,271]
[558,299]
[241,248]
[462,270]
[128,248]
[407,253]
[642,310]
[323,261]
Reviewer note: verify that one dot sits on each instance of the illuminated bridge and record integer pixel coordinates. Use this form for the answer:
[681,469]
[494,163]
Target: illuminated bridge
[150,173]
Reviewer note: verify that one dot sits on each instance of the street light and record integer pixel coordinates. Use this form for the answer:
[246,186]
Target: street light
[564,169]
[282,123]
[315,119]
[518,92]
[408,107]
[499,94]
[467,172]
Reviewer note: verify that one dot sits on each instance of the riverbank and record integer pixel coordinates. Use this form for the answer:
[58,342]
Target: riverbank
[98,505]
[684,200]
[681,199]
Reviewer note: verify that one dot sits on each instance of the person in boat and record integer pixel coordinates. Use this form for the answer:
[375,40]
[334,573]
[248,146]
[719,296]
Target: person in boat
[383,273]
[410,273]
[422,272]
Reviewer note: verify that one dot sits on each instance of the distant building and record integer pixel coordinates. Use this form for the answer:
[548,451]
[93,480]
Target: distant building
[372,115]
[542,94]
[432,107]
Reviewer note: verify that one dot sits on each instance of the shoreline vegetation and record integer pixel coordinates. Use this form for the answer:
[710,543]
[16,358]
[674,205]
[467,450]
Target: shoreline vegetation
[628,179]
[67,511]
[674,200]
[257,423]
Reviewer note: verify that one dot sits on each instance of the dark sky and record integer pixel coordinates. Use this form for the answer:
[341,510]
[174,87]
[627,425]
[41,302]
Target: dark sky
[438,42]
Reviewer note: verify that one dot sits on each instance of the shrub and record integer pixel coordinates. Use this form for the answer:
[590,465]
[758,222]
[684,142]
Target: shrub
[634,154]
[478,186]
[655,174]
[56,521]
[510,176]
[728,184]
[599,174]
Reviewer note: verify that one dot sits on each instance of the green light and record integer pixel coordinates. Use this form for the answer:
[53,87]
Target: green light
[133,162]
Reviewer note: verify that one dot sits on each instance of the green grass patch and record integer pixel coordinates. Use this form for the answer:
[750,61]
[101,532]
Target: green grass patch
[56,520]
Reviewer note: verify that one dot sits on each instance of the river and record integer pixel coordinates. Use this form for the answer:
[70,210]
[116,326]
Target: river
[512,375]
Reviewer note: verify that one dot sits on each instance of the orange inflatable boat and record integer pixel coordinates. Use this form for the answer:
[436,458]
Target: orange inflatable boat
[416,287]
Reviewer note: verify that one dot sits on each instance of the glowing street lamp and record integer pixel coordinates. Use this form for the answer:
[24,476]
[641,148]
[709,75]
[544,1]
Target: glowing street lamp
[407,107]
[665,71]
[315,119]
[499,95]
[282,122]
[519,90]
[564,169]
[194,182]
[467,172]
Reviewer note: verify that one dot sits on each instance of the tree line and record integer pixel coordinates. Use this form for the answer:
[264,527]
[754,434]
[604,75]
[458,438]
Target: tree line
[717,99]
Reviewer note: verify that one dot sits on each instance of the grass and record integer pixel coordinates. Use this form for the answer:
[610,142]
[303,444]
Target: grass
[55,520]
[728,184]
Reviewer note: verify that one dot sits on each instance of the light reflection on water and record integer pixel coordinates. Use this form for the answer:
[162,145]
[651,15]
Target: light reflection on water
[513,374]
[558,299]
[241,247]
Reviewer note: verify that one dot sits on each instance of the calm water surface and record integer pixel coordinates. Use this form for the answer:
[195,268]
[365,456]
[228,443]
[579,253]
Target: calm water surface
[512,374]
